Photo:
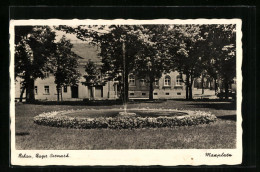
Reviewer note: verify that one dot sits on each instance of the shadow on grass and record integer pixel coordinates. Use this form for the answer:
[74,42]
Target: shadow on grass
[221,105]
[22,133]
[91,102]
[217,106]
[77,103]
[228,117]
[212,100]
[179,100]
[146,101]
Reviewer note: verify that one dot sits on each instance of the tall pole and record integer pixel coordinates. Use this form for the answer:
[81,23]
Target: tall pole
[124,68]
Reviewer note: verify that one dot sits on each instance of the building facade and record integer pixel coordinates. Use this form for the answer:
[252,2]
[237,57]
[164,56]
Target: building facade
[169,86]
[45,89]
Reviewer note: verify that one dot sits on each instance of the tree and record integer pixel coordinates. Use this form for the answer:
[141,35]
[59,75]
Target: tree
[212,72]
[92,77]
[119,45]
[119,48]
[222,41]
[188,49]
[64,66]
[186,52]
[150,60]
[34,46]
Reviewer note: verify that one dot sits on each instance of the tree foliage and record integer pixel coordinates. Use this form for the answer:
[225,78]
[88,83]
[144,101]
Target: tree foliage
[34,46]
[111,39]
[92,74]
[150,50]
[64,65]
[119,49]
[92,77]
[196,49]
[186,52]
[150,61]
[222,41]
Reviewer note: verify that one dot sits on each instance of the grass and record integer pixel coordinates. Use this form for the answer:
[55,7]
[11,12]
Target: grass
[221,134]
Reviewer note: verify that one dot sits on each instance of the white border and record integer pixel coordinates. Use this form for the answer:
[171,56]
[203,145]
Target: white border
[142,157]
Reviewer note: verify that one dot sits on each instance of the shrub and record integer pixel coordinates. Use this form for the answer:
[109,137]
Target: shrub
[58,119]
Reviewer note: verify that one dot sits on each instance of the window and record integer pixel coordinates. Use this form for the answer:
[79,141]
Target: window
[132,94]
[155,93]
[178,80]
[46,89]
[167,80]
[131,80]
[46,74]
[167,94]
[156,82]
[65,89]
[143,94]
[35,90]
[142,82]
[178,94]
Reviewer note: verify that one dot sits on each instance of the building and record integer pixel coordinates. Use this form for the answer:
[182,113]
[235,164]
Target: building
[169,86]
[45,89]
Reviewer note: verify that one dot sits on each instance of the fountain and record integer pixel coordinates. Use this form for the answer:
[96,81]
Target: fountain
[125,113]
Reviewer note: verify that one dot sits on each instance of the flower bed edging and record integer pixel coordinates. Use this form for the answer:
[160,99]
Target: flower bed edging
[57,119]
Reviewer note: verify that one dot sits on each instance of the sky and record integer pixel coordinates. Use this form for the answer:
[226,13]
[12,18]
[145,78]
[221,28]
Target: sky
[73,38]
[81,48]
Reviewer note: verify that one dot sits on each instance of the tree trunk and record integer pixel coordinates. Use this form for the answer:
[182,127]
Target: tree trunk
[190,93]
[90,92]
[216,86]
[93,92]
[61,94]
[21,94]
[202,84]
[190,89]
[187,86]
[58,92]
[91,96]
[30,90]
[151,88]
[226,89]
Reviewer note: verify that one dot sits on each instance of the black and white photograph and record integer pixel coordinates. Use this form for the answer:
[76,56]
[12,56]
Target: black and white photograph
[126,92]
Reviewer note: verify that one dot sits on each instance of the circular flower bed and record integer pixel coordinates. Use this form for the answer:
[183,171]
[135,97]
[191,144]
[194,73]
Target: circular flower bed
[176,118]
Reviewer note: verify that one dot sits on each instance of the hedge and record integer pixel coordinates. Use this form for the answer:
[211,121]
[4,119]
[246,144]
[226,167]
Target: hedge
[58,119]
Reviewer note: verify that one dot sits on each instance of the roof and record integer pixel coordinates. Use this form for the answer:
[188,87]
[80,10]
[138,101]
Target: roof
[87,52]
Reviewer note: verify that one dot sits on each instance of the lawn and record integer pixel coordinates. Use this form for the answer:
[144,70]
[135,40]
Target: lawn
[221,134]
